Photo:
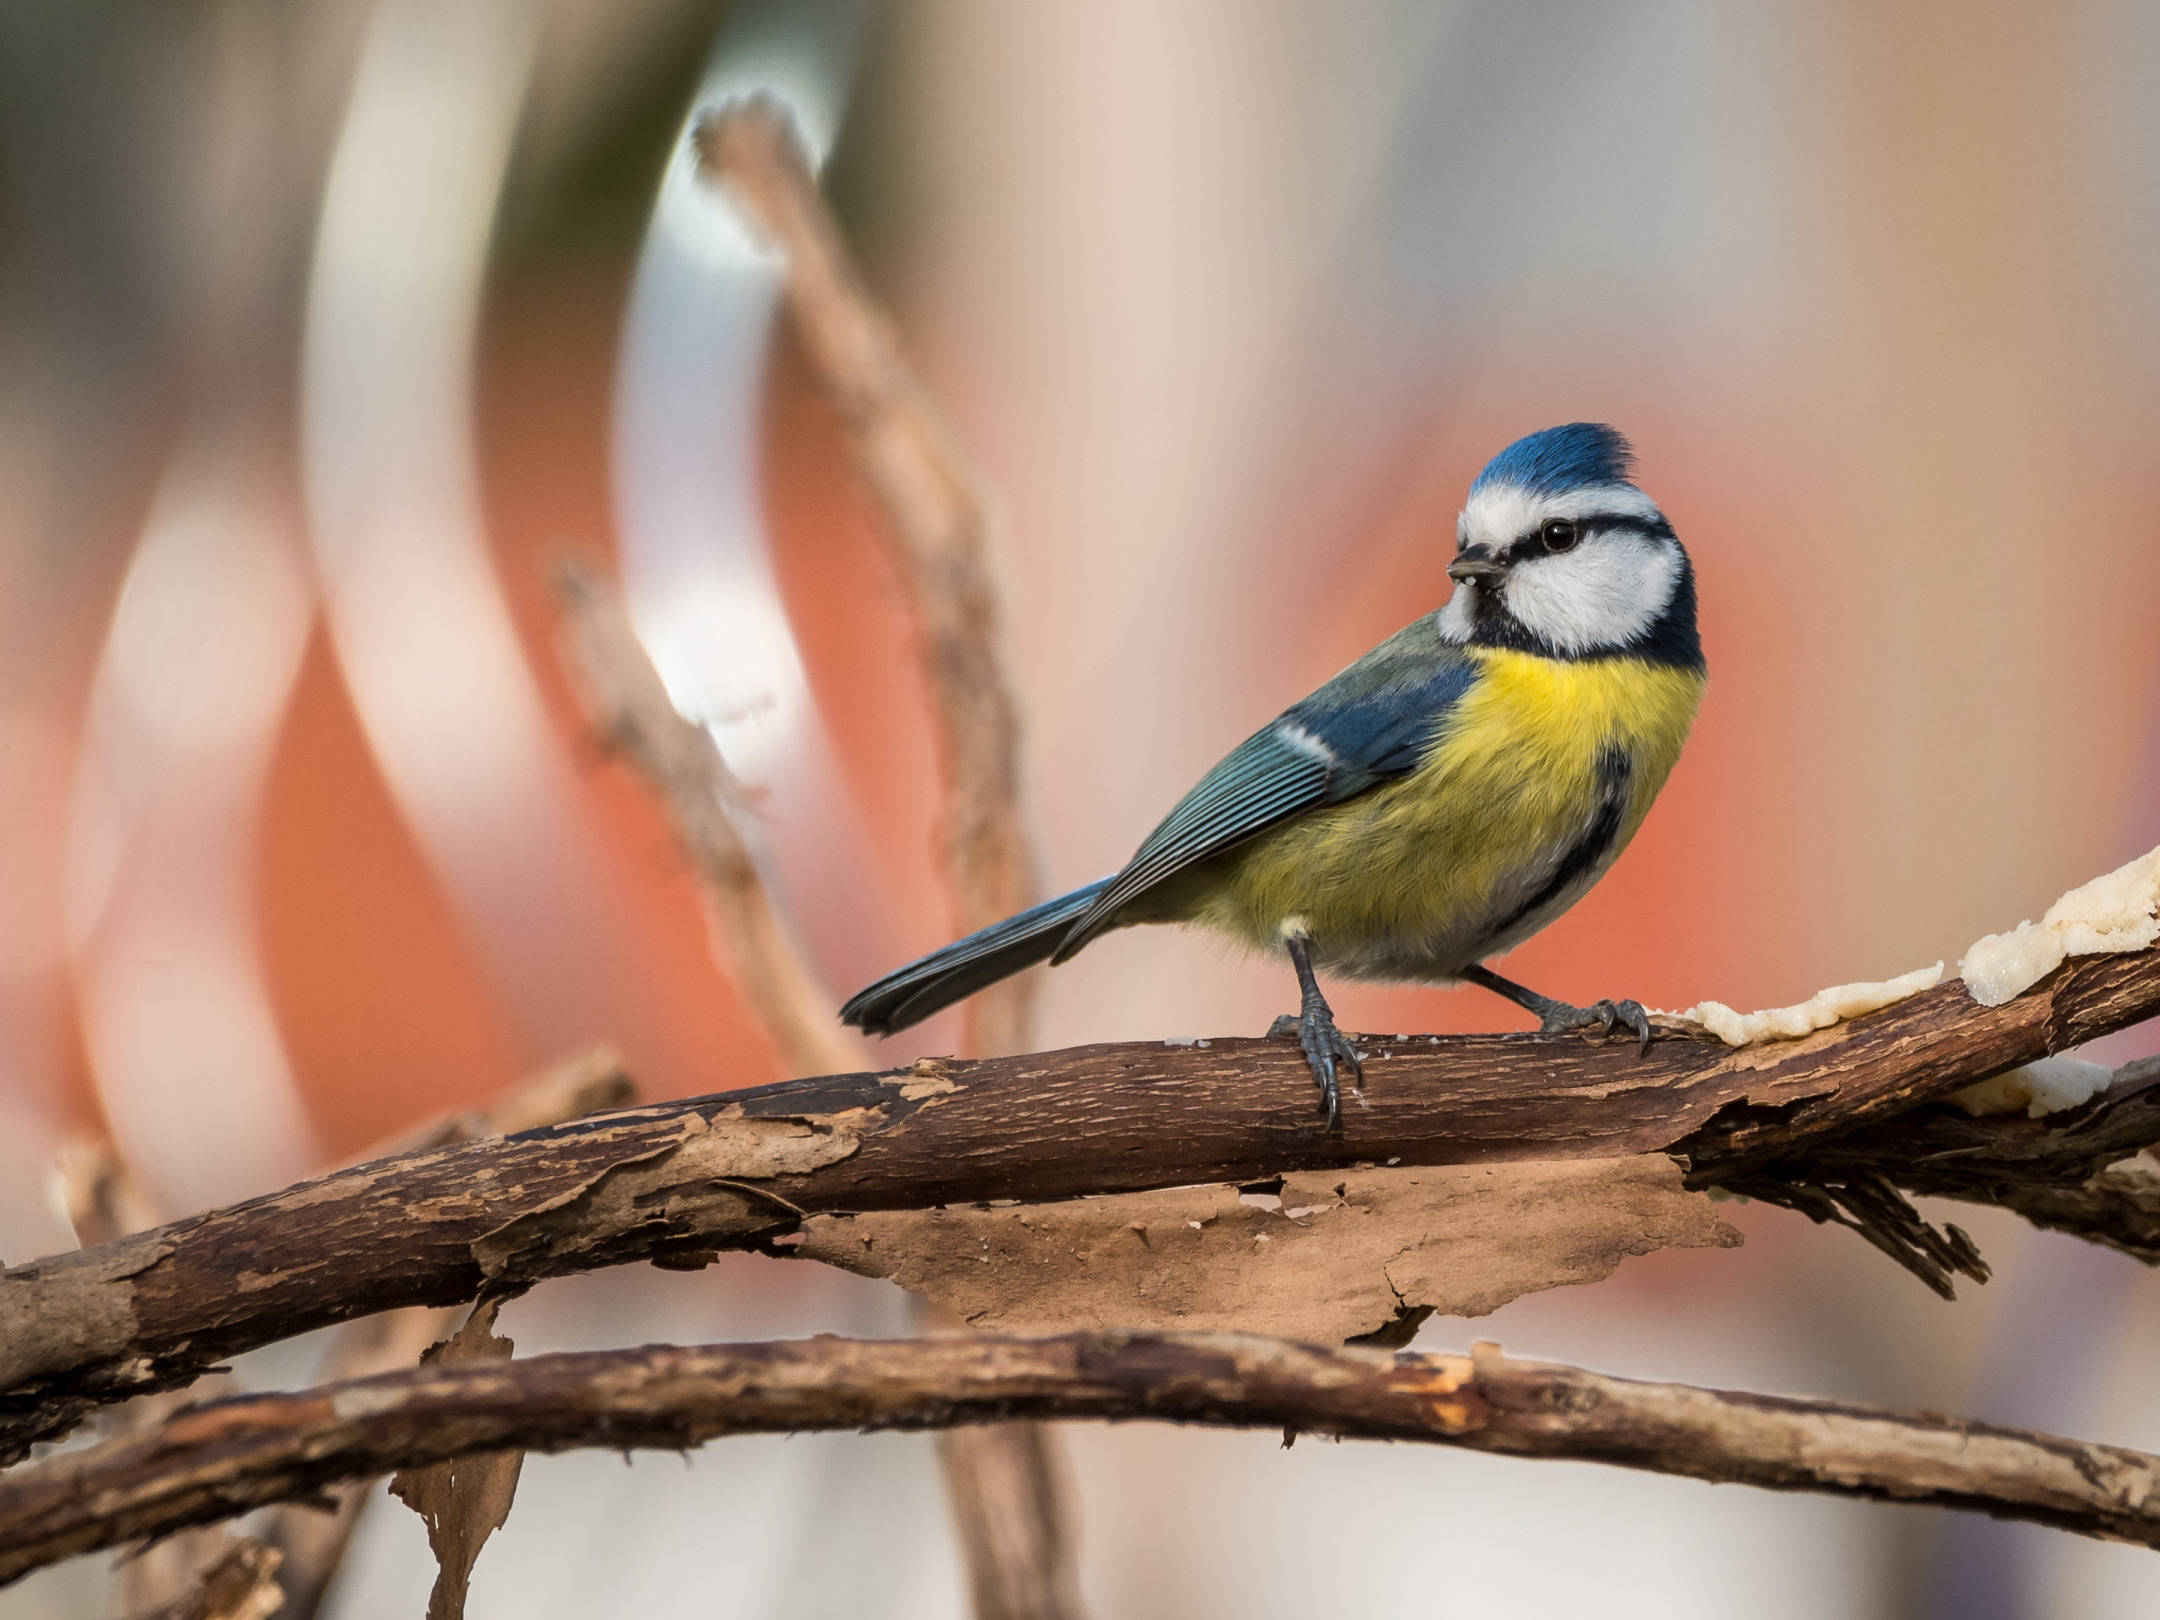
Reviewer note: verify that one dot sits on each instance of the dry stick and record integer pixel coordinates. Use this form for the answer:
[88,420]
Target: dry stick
[224,1458]
[312,1542]
[630,708]
[677,1182]
[240,1585]
[1008,1483]
[941,526]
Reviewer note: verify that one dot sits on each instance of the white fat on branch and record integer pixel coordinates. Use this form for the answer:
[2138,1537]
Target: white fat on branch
[2112,913]
[1819,1011]
[2047,1086]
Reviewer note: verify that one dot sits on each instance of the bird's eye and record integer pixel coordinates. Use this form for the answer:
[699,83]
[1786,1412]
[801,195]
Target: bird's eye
[1560,535]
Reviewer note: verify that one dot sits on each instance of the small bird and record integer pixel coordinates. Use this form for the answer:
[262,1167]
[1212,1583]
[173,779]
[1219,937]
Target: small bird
[1443,798]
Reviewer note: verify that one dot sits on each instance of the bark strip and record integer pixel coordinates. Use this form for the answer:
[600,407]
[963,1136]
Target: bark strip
[214,1461]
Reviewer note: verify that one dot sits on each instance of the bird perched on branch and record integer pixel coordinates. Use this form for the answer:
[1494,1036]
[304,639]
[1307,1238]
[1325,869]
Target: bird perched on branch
[1443,798]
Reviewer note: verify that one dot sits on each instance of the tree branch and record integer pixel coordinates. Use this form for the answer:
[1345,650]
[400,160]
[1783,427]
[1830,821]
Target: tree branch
[1006,1480]
[677,1182]
[226,1457]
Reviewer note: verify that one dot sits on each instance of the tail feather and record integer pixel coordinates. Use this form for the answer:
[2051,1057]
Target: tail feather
[914,992]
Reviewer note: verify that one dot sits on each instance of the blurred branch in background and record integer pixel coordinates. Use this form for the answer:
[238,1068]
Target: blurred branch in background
[1010,1494]
[1009,1485]
[224,1458]
[940,524]
[241,1585]
[1010,1497]
[629,708]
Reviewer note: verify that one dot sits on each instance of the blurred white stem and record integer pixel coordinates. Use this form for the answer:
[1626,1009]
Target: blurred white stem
[421,626]
[203,650]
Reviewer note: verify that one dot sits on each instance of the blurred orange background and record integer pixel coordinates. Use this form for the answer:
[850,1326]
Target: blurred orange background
[326,328]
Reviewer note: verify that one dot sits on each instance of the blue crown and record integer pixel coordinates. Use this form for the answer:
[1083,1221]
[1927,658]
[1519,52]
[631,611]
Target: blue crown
[1577,456]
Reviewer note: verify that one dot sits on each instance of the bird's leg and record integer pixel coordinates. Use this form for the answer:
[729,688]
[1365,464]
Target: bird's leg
[1558,1017]
[1326,1049]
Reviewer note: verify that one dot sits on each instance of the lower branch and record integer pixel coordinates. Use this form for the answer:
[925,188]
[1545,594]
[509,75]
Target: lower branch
[214,1461]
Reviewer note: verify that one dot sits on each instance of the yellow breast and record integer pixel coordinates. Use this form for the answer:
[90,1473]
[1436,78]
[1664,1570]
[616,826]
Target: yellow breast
[1394,881]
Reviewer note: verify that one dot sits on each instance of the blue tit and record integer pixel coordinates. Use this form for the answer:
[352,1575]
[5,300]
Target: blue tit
[1443,798]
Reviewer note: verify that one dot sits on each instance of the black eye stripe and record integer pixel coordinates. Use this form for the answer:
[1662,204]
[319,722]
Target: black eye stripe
[1590,526]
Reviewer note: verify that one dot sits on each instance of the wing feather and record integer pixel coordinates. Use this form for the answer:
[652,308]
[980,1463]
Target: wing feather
[1372,723]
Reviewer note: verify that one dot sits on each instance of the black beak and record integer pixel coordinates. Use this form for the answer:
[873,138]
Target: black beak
[1471,566]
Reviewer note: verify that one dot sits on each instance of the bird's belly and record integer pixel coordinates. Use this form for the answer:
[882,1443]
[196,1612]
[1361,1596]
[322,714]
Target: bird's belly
[1504,826]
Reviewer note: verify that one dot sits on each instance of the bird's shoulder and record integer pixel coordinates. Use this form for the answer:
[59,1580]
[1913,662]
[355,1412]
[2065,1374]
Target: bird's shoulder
[1376,717]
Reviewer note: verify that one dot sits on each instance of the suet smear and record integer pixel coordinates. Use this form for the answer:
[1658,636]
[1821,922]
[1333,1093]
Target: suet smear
[2111,913]
[2048,1086]
[1819,1011]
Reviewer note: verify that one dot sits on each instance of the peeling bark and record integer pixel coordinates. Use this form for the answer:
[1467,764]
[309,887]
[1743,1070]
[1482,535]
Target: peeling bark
[464,1499]
[1319,1258]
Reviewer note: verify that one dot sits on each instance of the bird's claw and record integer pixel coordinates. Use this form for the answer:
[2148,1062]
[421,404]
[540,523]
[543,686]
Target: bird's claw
[1328,1053]
[1606,1015]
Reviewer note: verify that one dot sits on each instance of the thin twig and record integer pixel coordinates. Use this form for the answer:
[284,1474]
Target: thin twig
[631,710]
[942,526]
[227,1457]
[85,1329]
[590,1080]
[241,1583]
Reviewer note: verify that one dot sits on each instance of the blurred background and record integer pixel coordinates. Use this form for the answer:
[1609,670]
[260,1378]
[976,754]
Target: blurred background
[323,328]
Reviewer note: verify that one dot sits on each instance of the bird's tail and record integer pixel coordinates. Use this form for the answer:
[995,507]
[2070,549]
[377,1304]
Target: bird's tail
[913,993]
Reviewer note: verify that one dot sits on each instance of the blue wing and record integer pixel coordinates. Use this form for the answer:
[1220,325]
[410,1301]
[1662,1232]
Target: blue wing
[1370,724]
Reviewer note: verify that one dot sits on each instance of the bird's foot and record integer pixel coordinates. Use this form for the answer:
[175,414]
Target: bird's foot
[1328,1053]
[1558,1018]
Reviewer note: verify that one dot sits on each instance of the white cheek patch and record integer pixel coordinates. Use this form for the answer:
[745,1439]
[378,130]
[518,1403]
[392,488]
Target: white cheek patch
[1605,594]
[1459,617]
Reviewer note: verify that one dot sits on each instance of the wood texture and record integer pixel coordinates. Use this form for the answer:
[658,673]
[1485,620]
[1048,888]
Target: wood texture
[215,1461]
[678,1182]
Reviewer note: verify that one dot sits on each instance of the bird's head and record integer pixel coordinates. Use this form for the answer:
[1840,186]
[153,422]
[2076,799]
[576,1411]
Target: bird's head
[1557,552]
